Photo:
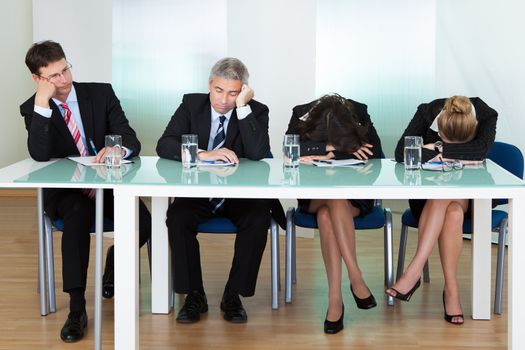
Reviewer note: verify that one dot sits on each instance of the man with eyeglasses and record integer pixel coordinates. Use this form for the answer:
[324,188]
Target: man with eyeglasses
[65,118]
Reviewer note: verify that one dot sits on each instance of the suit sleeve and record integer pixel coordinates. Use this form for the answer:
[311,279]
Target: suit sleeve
[307,148]
[37,126]
[417,127]
[118,124]
[254,133]
[169,143]
[479,147]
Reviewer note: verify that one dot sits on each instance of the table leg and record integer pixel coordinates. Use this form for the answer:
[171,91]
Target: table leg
[161,275]
[99,231]
[126,271]
[481,259]
[41,253]
[516,277]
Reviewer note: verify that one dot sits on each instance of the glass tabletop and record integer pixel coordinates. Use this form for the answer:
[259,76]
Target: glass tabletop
[267,172]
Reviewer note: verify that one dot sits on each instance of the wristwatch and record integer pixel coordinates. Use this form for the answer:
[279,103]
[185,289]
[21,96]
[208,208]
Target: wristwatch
[438,146]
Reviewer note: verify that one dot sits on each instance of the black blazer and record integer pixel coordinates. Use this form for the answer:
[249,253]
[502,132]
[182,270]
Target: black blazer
[476,149]
[248,137]
[101,115]
[319,148]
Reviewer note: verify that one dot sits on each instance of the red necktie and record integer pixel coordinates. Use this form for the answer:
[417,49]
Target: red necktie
[73,129]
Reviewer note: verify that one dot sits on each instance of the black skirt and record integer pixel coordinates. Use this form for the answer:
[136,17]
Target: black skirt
[365,206]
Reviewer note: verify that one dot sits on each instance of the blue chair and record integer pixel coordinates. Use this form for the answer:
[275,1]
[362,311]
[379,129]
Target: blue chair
[378,218]
[508,157]
[225,225]
[57,224]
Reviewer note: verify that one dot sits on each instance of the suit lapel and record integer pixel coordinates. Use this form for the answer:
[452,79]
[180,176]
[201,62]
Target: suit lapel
[85,105]
[232,131]
[204,125]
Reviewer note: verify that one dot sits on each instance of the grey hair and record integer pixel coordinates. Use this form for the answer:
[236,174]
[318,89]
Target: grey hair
[230,68]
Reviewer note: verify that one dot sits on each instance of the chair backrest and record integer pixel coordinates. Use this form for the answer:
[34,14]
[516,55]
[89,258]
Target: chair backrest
[508,157]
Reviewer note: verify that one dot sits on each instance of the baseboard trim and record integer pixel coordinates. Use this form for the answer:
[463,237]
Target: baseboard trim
[18,192]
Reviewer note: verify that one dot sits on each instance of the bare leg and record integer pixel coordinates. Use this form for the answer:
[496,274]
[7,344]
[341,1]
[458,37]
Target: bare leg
[332,263]
[430,226]
[336,225]
[450,243]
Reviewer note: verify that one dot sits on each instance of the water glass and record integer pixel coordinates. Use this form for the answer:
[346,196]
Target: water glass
[113,156]
[412,152]
[291,151]
[188,151]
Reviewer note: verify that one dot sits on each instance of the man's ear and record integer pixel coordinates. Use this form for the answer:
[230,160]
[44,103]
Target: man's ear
[35,77]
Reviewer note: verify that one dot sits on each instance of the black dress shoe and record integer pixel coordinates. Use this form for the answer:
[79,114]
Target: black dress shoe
[366,303]
[108,284]
[332,327]
[232,307]
[195,304]
[73,329]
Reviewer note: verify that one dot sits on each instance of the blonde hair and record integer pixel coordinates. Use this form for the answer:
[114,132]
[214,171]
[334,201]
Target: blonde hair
[457,122]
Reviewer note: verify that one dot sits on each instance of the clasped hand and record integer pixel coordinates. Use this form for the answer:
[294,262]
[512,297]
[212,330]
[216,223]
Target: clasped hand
[224,154]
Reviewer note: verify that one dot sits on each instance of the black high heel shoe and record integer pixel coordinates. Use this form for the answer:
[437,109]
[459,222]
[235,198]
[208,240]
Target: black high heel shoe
[366,303]
[108,285]
[331,327]
[448,317]
[406,297]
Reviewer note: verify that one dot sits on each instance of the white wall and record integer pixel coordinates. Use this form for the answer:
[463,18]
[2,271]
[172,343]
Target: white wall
[478,51]
[481,53]
[15,84]
[84,30]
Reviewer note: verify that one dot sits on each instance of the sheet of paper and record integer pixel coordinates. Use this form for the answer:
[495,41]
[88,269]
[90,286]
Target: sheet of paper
[88,161]
[337,162]
[204,163]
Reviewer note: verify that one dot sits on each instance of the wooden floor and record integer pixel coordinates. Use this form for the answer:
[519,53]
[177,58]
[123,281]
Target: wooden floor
[415,325]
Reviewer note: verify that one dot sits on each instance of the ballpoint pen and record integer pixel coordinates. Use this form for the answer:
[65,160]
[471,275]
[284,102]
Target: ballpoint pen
[93,146]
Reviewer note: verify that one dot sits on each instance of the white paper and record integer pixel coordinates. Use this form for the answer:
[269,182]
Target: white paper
[205,163]
[88,161]
[337,162]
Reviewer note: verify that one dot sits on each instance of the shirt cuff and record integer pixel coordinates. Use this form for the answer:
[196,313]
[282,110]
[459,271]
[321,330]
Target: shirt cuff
[44,112]
[243,112]
[128,152]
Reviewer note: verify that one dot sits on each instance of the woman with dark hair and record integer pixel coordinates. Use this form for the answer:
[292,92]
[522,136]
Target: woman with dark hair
[333,127]
[457,128]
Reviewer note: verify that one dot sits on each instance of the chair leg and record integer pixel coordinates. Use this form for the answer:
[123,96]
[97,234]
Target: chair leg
[288,256]
[148,246]
[294,255]
[402,251]
[498,297]
[389,253]
[50,264]
[275,264]
[41,254]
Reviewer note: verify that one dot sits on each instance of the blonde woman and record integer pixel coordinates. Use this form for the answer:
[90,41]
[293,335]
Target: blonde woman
[457,128]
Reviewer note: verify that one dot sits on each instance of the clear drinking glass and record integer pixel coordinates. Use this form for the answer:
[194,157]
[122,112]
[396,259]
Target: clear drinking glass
[113,156]
[188,151]
[291,151]
[412,152]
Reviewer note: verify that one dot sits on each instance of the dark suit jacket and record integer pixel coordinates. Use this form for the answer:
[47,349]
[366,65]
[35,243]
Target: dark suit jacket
[248,137]
[319,148]
[101,115]
[476,149]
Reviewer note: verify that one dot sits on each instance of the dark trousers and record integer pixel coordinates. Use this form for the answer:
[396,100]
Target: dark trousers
[252,218]
[78,213]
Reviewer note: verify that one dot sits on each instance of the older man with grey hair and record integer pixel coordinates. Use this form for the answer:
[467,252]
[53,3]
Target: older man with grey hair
[230,125]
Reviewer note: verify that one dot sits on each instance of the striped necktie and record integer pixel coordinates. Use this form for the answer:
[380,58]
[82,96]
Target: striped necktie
[218,142]
[75,133]
[73,129]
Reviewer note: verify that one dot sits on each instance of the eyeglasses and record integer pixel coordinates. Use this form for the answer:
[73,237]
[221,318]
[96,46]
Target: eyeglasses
[452,165]
[54,77]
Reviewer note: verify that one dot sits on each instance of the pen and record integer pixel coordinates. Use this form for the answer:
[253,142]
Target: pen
[93,146]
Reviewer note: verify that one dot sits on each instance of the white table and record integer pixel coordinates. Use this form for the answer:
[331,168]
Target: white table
[161,179]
